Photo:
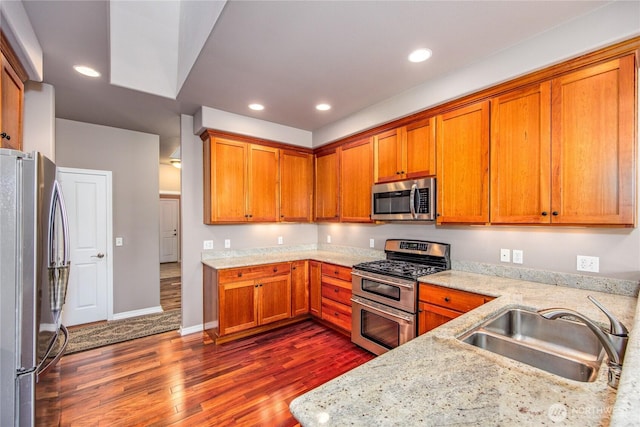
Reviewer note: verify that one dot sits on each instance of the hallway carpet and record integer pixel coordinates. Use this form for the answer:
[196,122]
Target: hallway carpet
[86,337]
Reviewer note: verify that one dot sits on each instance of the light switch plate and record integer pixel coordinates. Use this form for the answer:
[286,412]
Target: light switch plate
[280,240]
[328,238]
[207,244]
[119,241]
[372,243]
[227,243]
[505,255]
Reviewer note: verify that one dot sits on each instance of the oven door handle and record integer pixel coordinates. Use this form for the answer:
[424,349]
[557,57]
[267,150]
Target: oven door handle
[386,282]
[407,319]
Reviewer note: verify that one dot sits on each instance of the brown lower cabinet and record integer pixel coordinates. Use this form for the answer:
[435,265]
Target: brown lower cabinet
[336,296]
[437,305]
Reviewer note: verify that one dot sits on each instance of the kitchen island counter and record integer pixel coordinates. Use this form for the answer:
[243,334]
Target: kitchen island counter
[436,379]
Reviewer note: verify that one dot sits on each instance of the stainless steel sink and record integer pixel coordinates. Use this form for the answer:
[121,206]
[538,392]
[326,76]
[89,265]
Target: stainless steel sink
[562,347]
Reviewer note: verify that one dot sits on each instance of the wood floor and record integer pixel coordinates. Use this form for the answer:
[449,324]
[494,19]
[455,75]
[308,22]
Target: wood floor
[167,380]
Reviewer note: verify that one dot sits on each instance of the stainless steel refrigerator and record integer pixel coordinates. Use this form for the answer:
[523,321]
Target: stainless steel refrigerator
[34,269]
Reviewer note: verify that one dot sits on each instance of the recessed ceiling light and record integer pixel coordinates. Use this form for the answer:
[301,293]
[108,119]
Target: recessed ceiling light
[87,71]
[420,55]
[256,107]
[323,107]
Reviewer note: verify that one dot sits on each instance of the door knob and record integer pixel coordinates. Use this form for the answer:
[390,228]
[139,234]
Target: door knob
[100,255]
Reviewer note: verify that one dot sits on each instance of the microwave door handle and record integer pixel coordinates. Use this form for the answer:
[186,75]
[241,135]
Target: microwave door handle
[412,202]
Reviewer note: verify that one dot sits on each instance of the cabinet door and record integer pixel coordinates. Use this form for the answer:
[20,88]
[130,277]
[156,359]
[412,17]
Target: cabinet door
[356,179]
[238,309]
[228,173]
[463,165]
[419,151]
[432,316]
[387,157]
[296,186]
[11,107]
[263,191]
[299,287]
[274,302]
[327,187]
[521,156]
[315,288]
[593,147]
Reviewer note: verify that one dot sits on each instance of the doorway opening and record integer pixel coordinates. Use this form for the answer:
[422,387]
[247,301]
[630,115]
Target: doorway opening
[170,272]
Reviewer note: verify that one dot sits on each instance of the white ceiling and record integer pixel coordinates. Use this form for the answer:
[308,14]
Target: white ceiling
[287,55]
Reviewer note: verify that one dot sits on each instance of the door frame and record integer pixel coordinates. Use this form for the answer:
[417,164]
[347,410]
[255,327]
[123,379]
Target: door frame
[109,227]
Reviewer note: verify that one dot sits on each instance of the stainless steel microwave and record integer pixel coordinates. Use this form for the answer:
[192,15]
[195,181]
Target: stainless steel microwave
[410,200]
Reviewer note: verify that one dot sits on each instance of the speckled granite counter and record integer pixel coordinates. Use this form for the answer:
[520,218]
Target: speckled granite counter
[437,380]
[339,255]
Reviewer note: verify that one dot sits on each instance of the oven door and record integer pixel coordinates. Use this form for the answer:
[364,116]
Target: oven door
[397,293]
[379,328]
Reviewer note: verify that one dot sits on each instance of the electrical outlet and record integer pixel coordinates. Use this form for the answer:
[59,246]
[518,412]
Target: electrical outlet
[207,244]
[505,255]
[280,240]
[328,238]
[518,256]
[588,263]
[372,243]
[227,243]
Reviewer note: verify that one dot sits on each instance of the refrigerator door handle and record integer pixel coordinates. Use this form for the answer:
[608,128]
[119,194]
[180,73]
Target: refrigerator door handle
[58,201]
[42,370]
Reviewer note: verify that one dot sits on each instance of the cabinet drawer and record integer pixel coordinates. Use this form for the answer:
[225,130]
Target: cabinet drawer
[336,291]
[250,273]
[451,298]
[338,314]
[337,271]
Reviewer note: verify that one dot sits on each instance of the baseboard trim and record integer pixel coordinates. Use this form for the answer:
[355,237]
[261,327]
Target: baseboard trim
[192,329]
[136,313]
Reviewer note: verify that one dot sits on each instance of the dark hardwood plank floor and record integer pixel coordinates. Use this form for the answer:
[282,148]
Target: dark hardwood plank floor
[166,379]
[170,293]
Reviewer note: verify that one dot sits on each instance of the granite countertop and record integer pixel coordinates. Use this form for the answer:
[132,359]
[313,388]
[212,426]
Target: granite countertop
[346,257]
[436,379]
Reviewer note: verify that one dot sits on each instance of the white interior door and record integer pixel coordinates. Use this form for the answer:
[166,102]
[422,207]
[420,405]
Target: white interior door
[169,230]
[87,195]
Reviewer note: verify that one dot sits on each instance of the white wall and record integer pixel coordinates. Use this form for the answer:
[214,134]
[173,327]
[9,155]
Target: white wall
[169,179]
[133,158]
[39,127]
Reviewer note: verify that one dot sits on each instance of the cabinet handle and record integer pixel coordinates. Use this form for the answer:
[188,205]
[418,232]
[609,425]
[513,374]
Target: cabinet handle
[336,290]
[275,269]
[294,267]
[544,213]
[555,213]
[401,172]
[239,274]
[256,286]
[447,299]
[4,135]
[336,314]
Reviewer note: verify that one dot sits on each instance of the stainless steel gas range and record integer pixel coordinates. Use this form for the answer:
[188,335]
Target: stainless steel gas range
[385,293]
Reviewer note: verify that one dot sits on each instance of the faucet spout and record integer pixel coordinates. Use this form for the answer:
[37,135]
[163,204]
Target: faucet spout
[554,313]
[614,341]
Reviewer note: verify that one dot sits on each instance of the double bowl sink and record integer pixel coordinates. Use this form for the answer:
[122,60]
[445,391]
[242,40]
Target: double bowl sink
[561,347]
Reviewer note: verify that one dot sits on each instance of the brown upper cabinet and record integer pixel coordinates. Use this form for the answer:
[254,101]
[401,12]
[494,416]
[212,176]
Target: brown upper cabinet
[521,156]
[240,182]
[593,148]
[356,179]
[463,165]
[405,152]
[563,152]
[327,188]
[11,107]
[296,186]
